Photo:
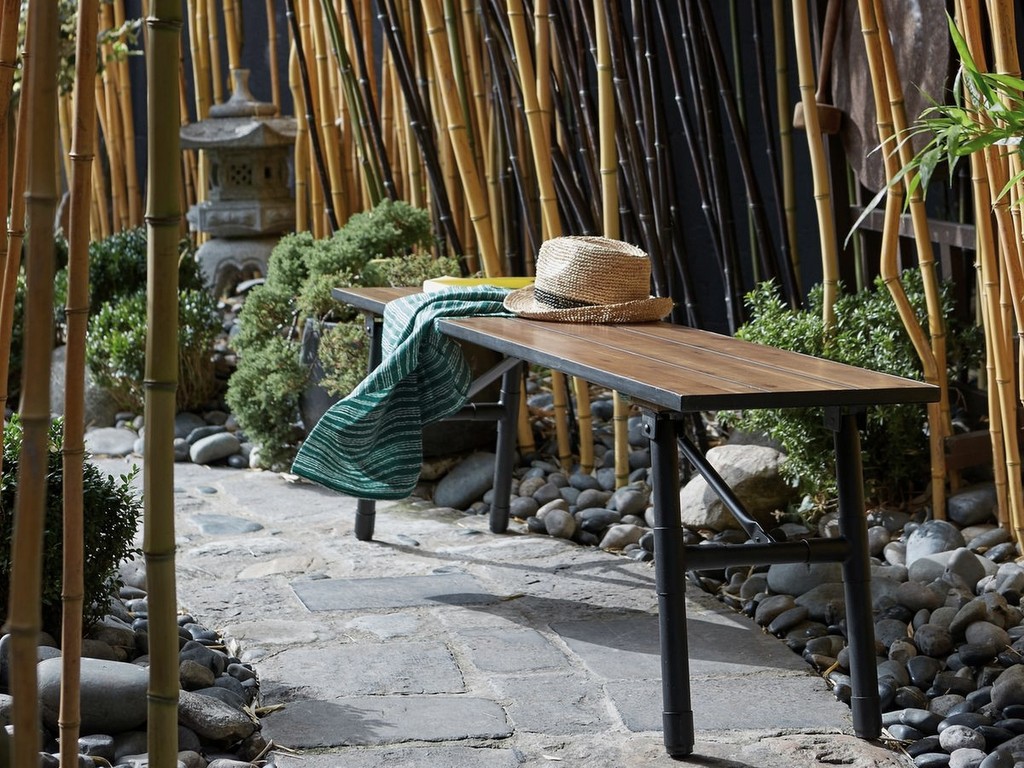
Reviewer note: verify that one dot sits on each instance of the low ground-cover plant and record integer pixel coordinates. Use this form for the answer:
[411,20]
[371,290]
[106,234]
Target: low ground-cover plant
[868,334]
[384,246]
[111,513]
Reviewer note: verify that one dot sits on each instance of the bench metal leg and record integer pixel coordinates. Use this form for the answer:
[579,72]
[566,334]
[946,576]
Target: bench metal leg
[366,509]
[670,579]
[865,704]
[506,447]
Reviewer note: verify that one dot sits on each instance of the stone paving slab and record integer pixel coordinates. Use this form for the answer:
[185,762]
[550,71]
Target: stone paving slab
[380,669]
[433,756]
[369,720]
[391,592]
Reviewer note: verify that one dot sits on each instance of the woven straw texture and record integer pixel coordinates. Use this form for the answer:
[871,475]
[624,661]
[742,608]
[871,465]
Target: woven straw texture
[590,280]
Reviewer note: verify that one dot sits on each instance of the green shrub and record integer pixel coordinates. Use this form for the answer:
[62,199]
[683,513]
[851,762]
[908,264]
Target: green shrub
[383,246]
[116,349]
[868,334]
[111,511]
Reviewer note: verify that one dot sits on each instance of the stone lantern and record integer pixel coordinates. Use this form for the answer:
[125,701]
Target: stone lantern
[250,201]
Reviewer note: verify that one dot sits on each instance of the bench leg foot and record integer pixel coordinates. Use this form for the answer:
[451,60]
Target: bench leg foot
[865,704]
[670,578]
[366,513]
[506,448]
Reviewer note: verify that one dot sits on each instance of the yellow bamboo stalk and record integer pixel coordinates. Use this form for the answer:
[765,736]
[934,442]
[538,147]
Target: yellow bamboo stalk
[100,199]
[64,131]
[124,100]
[189,161]
[317,192]
[113,132]
[275,77]
[469,174]
[479,107]
[327,112]
[232,25]
[77,313]
[163,31]
[551,221]
[212,28]
[939,421]
[819,165]
[23,623]
[969,21]
[301,151]
[890,234]
[539,144]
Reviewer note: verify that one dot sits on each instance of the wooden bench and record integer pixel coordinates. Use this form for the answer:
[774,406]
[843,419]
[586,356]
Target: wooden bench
[669,371]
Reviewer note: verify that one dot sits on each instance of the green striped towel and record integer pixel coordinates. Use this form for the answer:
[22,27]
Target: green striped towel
[370,445]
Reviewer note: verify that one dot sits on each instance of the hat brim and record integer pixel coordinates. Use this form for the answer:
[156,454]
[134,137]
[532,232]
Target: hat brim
[524,304]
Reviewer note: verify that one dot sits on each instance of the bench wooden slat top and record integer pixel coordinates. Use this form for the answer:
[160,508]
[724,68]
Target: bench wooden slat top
[673,367]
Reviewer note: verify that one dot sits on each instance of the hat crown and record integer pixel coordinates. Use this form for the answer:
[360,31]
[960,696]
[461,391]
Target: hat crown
[587,270]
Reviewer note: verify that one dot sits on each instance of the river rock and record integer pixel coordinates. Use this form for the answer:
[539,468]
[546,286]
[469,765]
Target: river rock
[1009,687]
[797,578]
[622,535]
[213,719]
[467,482]
[973,505]
[560,523]
[110,441]
[185,422]
[113,696]
[932,537]
[215,447]
[752,471]
[825,602]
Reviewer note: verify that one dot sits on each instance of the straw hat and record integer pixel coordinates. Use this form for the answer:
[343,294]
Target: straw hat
[590,280]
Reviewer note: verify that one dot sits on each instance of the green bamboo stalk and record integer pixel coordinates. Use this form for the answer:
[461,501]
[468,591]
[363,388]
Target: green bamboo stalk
[24,620]
[163,216]
[785,112]
[77,313]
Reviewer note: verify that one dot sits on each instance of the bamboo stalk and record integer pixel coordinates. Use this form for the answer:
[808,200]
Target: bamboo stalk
[819,164]
[16,220]
[124,100]
[114,133]
[969,19]
[163,30]
[77,313]
[10,260]
[275,77]
[232,27]
[784,112]
[329,131]
[890,234]
[213,46]
[301,151]
[469,174]
[100,199]
[308,99]
[939,422]
[24,621]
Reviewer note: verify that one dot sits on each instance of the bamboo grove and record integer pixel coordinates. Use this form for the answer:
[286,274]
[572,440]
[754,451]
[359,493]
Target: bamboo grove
[512,122]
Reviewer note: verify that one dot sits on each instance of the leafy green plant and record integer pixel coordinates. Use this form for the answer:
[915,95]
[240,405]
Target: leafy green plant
[868,334]
[383,246]
[115,349]
[111,513]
